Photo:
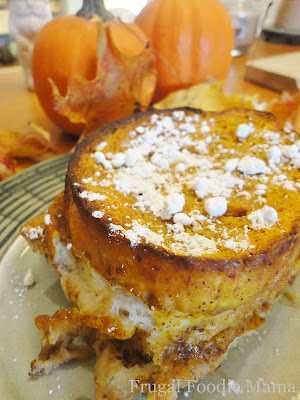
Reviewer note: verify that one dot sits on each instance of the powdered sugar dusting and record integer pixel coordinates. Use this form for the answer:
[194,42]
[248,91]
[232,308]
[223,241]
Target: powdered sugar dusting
[98,214]
[91,196]
[33,233]
[192,180]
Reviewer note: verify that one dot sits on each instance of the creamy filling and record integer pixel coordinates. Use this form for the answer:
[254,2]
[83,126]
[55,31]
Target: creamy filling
[93,294]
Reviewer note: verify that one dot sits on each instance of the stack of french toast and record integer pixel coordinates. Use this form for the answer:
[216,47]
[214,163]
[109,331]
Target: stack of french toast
[175,233]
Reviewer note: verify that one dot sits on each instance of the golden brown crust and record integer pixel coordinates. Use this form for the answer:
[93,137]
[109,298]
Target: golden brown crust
[188,285]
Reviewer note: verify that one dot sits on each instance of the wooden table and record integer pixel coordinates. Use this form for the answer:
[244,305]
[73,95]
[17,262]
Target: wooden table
[235,80]
[18,106]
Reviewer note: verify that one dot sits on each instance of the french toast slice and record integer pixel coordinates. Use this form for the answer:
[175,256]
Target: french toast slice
[176,231]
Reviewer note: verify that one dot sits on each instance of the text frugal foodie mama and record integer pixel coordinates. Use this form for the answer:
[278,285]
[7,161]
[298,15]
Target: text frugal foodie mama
[258,386]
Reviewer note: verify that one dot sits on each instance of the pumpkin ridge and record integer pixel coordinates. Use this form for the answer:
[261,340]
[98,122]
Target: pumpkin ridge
[168,23]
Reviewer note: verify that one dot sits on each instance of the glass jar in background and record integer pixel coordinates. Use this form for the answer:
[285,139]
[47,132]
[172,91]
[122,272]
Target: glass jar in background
[244,14]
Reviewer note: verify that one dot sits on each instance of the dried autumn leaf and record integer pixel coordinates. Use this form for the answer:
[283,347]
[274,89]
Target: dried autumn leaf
[287,110]
[207,96]
[122,85]
[7,166]
[24,145]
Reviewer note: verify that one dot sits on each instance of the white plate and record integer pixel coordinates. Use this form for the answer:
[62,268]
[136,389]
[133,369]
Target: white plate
[265,359]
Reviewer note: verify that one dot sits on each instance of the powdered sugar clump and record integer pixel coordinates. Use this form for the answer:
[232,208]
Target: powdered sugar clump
[290,151]
[173,203]
[216,206]
[33,233]
[183,219]
[118,160]
[244,130]
[181,167]
[92,196]
[101,159]
[47,219]
[29,278]
[251,165]
[98,214]
[274,154]
[231,164]
[263,217]
[101,146]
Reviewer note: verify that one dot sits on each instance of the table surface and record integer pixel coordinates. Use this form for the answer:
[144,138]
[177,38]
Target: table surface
[18,107]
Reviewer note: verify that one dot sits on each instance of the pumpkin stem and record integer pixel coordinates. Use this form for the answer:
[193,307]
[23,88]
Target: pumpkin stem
[90,8]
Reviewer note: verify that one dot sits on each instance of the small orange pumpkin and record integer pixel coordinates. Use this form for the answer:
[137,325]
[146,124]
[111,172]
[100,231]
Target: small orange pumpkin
[193,39]
[67,46]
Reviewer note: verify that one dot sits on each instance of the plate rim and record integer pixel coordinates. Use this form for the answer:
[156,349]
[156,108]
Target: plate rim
[14,185]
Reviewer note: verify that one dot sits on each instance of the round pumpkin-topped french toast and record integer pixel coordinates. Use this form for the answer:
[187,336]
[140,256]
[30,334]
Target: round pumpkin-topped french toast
[176,231]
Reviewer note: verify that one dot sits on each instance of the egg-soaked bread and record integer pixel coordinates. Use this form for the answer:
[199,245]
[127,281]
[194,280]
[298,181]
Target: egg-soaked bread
[175,230]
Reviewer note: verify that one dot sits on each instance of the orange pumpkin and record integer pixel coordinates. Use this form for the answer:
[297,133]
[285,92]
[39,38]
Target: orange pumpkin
[67,46]
[193,39]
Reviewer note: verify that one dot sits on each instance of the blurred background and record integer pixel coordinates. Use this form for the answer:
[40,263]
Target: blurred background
[71,6]
[58,7]
[272,23]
